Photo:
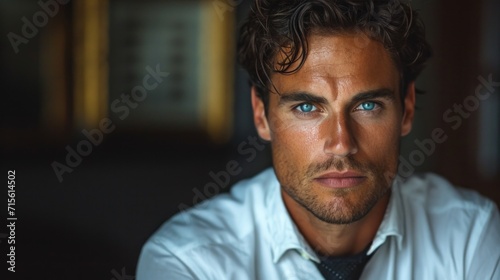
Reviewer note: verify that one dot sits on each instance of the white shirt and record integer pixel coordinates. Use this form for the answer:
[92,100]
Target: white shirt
[431,230]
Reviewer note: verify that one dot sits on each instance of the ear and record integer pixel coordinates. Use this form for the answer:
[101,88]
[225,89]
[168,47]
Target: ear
[259,116]
[409,113]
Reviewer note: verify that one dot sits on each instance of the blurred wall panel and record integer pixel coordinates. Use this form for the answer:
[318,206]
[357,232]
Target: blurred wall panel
[489,126]
[171,65]
[90,35]
[55,60]
[459,53]
[34,55]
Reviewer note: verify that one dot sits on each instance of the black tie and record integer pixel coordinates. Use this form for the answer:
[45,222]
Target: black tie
[344,268]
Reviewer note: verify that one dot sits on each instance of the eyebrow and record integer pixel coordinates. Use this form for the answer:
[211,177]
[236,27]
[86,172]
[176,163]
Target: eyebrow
[301,97]
[312,98]
[374,94]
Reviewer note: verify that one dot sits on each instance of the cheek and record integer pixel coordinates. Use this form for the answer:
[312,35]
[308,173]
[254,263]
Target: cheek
[295,147]
[380,142]
[299,141]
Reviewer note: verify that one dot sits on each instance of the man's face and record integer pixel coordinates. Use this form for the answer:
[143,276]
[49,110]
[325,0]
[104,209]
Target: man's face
[335,127]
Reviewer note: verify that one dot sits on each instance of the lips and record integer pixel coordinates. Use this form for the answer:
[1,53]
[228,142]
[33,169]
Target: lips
[347,179]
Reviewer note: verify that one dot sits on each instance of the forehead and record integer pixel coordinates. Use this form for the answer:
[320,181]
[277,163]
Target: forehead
[339,61]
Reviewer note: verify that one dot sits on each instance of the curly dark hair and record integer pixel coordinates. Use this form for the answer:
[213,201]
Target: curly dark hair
[275,26]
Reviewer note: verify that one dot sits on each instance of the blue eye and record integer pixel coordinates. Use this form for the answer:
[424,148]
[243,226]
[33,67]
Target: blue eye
[368,106]
[306,107]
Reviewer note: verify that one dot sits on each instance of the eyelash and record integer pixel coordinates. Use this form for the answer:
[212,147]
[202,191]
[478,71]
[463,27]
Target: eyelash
[377,107]
[296,109]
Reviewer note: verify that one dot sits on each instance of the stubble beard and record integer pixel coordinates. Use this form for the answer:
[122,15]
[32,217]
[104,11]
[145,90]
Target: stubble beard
[342,206]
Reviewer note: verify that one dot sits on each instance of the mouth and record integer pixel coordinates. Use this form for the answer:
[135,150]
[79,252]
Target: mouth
[340,180]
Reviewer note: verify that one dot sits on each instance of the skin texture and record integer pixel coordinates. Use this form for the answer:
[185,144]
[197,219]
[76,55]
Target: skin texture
[340,112]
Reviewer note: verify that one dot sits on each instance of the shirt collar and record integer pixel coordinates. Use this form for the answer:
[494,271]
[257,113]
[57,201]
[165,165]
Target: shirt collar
[286,236]
[284,233]
[393,222]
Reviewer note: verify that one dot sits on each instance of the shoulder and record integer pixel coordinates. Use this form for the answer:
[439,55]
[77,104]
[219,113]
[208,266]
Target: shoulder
[456,229]
[432,205]
[434,193]
[219,224]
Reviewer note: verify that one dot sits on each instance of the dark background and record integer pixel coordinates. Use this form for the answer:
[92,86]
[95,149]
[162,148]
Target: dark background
[92,224]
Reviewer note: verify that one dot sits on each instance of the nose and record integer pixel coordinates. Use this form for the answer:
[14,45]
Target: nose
[340,138]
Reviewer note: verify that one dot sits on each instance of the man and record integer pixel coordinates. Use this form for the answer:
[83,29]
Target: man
[333,91]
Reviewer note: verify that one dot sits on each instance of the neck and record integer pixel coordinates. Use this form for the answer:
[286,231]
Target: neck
[337,239]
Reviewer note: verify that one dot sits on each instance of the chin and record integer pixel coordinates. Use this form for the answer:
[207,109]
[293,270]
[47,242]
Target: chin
[345,206]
